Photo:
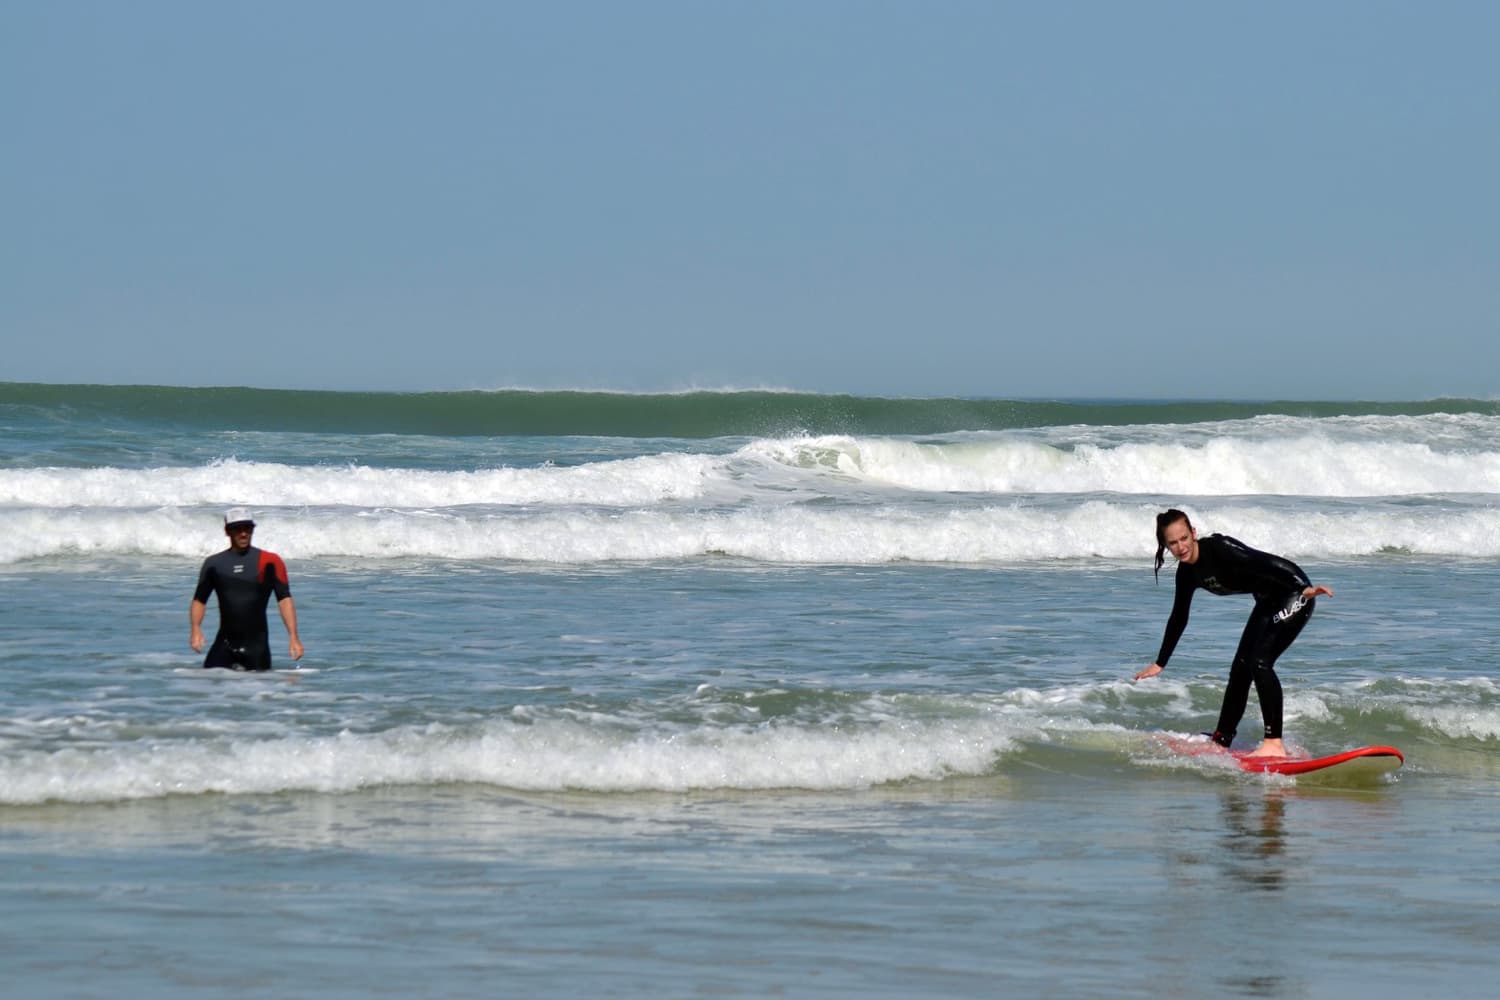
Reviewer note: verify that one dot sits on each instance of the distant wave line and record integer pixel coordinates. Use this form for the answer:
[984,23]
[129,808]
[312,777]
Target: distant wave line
[696,413]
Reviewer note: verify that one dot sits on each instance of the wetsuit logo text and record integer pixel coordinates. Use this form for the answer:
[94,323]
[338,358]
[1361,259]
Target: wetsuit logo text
[1290,609]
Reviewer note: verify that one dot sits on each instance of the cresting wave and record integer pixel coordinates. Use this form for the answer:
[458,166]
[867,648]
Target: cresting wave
[1444,726]
[626,482]
[1304,464]
[551,755]
[1317,488]
[808,534]
[1366,484]
[1375,457]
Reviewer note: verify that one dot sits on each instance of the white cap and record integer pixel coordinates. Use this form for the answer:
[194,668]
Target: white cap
[238,515]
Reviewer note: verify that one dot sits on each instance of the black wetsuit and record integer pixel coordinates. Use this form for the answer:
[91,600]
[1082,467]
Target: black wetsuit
[244,583]
[1228,566]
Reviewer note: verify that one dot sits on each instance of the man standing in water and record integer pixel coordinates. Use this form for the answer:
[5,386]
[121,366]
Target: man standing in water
[244,577]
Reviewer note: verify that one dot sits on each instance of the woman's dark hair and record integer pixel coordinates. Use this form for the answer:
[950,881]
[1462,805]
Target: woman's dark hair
[1165,518]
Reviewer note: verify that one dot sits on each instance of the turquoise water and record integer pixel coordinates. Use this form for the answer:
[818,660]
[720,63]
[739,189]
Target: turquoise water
[805,712]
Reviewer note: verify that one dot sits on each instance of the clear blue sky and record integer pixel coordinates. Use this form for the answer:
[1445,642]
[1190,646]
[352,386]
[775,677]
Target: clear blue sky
[1192,199]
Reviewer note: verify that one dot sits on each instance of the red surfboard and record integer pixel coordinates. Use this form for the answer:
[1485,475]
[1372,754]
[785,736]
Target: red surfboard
[1361,761]
[1364,760]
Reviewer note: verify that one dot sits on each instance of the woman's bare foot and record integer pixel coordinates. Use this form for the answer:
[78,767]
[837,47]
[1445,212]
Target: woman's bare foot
[1268,748]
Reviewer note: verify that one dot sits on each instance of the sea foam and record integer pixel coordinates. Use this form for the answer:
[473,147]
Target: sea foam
[811,534]
[550,755]
[1333,487]
[1309,465]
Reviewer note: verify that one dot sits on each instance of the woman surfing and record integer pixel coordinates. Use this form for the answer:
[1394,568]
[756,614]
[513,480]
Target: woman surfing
[1284,600]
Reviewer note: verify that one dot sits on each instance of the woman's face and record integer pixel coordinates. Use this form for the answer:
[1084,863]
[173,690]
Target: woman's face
[1181,540]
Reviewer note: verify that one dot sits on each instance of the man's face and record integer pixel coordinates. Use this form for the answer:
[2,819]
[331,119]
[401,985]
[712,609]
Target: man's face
[239,534]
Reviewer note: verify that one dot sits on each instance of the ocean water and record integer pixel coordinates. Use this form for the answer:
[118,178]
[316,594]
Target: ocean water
[737,694]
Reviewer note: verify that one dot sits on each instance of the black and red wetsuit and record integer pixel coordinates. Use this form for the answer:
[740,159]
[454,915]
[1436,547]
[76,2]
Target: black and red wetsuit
[1228,566]
[244,582]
